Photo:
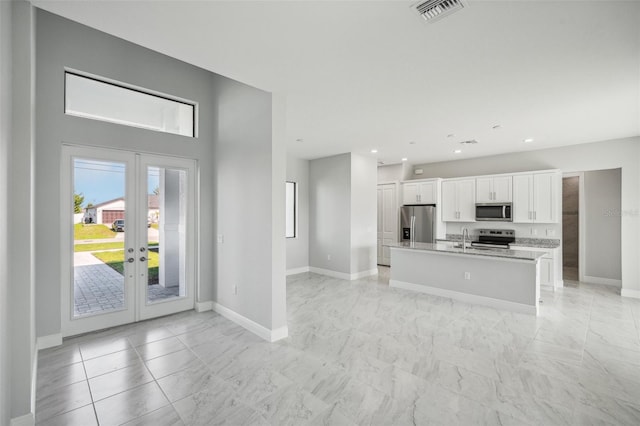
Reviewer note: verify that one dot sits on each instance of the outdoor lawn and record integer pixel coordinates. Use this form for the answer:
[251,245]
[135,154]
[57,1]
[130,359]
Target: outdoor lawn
[91,231]
[115,260]
[98,246]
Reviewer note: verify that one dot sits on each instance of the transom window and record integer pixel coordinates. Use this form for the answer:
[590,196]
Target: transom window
[90,97]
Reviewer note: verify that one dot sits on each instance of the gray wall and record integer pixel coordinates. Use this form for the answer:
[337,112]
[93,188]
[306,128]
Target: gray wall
[233,150]
[330,213]
[5,142]
[298,248]
[364,213]
[602,201]
[21,220]
[618,153]
[244,199]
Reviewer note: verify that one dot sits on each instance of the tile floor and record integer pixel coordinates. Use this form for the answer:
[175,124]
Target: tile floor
[359,353]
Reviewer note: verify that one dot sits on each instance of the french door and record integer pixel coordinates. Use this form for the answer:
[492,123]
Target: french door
[128,237]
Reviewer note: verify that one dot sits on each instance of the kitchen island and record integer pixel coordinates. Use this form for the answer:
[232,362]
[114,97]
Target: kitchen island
[499,278]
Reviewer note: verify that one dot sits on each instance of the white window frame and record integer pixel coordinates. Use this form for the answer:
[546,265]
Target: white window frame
[295,210]
[134,88]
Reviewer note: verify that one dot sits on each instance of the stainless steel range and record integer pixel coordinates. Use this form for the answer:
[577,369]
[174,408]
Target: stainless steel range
[495,238]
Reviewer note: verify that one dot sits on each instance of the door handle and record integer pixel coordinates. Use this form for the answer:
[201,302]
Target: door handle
[142,259]
[130,250]
[130,260]
[142,249]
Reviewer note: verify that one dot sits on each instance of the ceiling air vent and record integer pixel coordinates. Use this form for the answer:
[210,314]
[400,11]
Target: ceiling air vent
[433,10]
[469,142]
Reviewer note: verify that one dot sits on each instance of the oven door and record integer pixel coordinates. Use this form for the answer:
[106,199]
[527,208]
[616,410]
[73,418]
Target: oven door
[493,212]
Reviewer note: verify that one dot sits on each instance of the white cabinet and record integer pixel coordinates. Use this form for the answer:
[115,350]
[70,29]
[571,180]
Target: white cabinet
[419,192]
[496,189]
[459,200]
[536,198]
[546,272]
[550,265]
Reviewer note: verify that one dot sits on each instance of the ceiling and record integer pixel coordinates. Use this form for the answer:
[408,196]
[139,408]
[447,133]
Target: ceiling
[374,75]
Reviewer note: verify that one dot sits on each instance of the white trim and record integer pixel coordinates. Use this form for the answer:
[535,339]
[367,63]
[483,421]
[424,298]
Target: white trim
[45,342]
[364,274]
[467,298]
[279,333]
[295,271]
[605,281]
[27,420]
[558,284]
[252,326]
[330,273]
[343,275]
[630,293]
[204,306]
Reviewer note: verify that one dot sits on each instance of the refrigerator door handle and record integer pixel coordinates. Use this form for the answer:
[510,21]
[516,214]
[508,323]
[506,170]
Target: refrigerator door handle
[413,229]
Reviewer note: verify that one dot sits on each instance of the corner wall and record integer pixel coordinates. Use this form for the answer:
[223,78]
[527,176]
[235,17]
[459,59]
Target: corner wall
[5,143]
[611,154]
[343,216]
[298,247]
[602,201]
[330,213]
[364,214]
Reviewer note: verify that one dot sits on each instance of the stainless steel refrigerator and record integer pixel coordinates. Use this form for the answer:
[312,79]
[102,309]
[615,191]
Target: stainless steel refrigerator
[417,224]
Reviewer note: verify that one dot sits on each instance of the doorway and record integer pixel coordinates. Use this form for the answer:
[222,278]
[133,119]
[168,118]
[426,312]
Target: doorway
[571,227]
[128,244]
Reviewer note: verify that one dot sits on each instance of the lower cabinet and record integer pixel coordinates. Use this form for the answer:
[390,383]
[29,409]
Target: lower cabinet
[550,265]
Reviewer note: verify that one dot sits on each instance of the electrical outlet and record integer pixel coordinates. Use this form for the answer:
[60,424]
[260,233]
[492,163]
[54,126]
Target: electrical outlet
[328,257]
[534,231]
[220,238]
[551,232]
[467,275]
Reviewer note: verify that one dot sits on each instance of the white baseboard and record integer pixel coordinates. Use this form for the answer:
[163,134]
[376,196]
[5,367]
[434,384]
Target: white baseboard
[605,281]
[467,298]
[630,293]
[252,326]
[204,306]
[44,342]
[27,420]
[295,271]
[364,274]
[343,275]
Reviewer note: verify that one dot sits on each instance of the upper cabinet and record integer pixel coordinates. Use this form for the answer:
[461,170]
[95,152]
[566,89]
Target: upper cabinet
[459,200]
[536,198]
[494,189]
[419,192]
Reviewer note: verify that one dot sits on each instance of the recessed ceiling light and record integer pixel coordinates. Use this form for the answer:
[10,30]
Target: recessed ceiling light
[299,140]
[450,135]
[404,159]
[528,140]
[374,151]
[412,143]
[497,126]
[457,151]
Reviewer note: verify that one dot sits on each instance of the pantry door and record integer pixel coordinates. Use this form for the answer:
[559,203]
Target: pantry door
[128,237]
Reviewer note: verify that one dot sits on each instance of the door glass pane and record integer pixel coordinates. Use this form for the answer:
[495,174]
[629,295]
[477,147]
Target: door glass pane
[167,233]
[99,230]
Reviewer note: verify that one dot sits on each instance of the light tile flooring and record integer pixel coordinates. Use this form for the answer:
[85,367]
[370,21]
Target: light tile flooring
[359,353]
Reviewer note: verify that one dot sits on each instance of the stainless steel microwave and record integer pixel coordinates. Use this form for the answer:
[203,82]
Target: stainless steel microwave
[499,212]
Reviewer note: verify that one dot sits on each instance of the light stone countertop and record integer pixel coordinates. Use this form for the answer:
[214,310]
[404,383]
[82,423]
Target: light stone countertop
[549,243]
[488,252]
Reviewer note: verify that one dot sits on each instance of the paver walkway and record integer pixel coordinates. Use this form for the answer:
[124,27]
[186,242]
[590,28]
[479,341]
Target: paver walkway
[99,288]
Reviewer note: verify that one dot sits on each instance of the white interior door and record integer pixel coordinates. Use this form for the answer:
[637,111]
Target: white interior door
[387,221]
[128,238]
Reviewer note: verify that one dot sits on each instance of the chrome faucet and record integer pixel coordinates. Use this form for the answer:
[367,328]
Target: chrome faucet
[465,236]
